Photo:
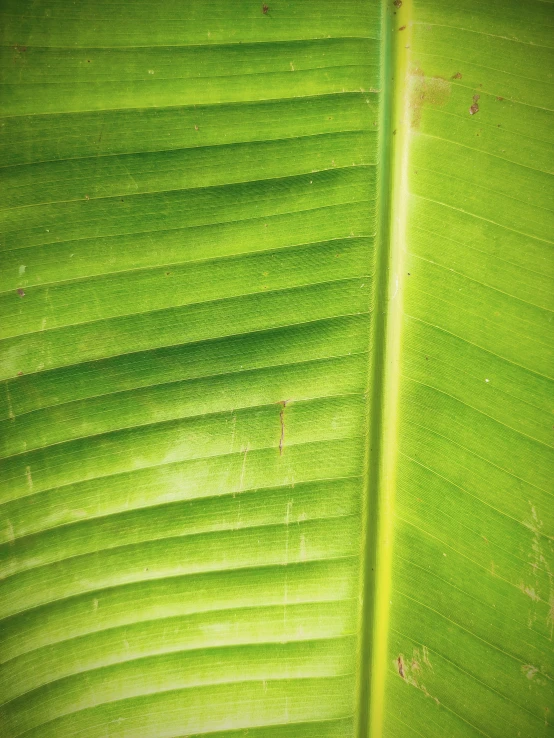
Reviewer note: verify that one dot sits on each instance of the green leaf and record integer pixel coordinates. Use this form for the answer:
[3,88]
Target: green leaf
[276,287]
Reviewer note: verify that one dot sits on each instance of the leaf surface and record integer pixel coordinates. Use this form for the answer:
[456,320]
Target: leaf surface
[276,287]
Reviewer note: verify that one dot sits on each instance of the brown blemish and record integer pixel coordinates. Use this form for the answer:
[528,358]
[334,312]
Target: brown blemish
[402,28]
[416,669]
[18,51]
[458,75]
[397,3]
[20,292]
[434,91]
[529,670]
[500,99]
[400,666]
[475,107]
[265,9]
[282,421]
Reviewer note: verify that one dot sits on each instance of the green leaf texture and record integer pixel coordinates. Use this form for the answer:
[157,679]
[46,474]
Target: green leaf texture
[276,288]
[472,575]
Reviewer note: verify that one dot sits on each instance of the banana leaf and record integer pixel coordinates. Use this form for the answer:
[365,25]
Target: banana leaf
[276,352]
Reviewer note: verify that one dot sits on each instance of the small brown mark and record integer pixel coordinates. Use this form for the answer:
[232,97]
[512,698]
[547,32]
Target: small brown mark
[19,374]
[475,107]
[282,421]
[20,292]
[397,3]
[265,9]
[500,99]
[402,28]
[458,75]
[400,666]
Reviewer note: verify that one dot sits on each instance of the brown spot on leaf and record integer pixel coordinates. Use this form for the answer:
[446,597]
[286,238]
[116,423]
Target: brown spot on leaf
[282,421]
[20,292]
[424,90]
[475,107]
[529,671]
[397,3]
[458,75]
[265,9]
[400,666]
[500,99]
[402,28]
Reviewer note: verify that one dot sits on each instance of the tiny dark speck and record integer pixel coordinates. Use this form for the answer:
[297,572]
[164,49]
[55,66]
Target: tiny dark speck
[21,292]
[19,374]
[458,75]
[265,9]
[409,275]
[397,3]
[402,28]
